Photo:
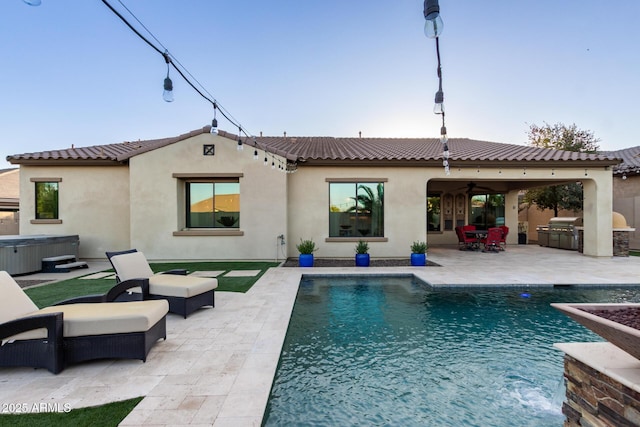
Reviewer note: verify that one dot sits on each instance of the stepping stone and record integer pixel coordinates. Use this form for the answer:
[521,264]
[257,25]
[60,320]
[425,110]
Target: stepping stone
[101,275]
[242,273]
[206,273]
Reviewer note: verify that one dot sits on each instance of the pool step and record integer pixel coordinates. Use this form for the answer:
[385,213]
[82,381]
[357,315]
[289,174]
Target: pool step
[61,264]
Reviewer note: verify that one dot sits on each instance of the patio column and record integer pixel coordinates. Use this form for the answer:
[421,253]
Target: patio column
[597,207]
[511,216]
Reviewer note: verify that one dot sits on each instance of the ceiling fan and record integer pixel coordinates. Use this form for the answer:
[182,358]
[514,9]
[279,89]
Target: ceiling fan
[471,186]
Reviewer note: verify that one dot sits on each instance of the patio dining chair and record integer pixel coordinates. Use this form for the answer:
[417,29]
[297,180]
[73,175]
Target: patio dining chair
[465,242]
[503,239]
[185,294]
[492,241]
[77,330]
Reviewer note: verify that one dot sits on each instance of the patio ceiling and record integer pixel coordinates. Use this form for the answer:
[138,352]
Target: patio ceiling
[488,186]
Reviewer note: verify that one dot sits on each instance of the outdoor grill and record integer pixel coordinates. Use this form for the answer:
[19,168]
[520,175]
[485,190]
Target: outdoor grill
[560,233]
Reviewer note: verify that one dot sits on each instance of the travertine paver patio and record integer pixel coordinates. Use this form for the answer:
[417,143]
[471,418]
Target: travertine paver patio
[216,367]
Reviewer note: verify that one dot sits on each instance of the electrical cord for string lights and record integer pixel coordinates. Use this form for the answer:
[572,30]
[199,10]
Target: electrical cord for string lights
[171,60]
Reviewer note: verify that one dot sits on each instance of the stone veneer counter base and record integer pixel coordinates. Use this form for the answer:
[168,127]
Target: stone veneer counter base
[602,385]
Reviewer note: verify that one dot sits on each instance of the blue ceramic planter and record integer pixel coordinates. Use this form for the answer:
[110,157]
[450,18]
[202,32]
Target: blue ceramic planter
[418,260]
[305,260]
[362,260]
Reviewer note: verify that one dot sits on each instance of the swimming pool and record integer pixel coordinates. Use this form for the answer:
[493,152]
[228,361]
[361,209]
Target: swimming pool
[394,351]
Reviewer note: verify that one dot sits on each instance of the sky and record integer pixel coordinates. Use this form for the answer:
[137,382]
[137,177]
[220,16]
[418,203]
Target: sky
[73,74]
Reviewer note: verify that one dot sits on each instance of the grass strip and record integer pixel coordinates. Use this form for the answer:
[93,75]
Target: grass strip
[52,293]
[109,415]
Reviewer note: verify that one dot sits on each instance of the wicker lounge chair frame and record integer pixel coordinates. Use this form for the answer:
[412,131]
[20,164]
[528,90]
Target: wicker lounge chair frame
[56,352]
[177,305]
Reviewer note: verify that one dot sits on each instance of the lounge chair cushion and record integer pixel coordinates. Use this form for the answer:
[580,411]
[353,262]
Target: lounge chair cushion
[175,285]
[103,318]
[131,265]
[134,265]
[14,303]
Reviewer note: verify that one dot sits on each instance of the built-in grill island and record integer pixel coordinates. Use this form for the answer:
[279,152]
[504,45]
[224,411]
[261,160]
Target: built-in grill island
[561,232]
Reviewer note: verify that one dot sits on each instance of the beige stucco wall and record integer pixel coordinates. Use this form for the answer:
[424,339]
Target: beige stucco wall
[626,200]
[405,205]
[535,217]
[93,203]
[9,196]
[405,208]
[158,204]
[10,184]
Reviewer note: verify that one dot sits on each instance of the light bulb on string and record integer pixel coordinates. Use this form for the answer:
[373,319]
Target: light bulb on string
[444,140]
[433,22]
[266,161]
[438,108]
[239,147]
[273,164]
[255,149]
[214,122]
[167,94]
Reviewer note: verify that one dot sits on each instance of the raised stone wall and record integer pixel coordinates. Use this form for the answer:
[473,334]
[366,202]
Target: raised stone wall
[620,242]
[595,399]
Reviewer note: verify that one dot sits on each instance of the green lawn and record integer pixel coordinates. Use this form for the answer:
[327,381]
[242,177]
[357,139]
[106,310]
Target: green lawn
[49,294]
[107,415]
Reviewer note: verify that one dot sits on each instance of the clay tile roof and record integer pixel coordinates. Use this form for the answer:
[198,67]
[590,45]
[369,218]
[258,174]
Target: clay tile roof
[630,160]
[99,154]
[325,150]
[310,149]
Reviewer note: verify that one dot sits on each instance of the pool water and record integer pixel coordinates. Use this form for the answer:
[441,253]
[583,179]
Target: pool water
[384,351]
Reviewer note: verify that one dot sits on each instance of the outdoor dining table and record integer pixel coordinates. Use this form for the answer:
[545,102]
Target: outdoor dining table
[478,234]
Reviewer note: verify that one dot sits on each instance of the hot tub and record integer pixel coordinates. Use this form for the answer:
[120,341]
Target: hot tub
[23,254]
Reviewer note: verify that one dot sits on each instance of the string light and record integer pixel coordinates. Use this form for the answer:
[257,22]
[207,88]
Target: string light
[214,122]
[171,61]
[432,29]
[433,22]
[240,147]
[167,94]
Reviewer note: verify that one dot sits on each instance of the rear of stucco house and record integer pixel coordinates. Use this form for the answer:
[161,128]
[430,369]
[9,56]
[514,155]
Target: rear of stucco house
[143,194]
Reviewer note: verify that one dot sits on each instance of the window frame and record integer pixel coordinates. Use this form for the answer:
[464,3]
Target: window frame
[184,181]
[55,219]
[356,182]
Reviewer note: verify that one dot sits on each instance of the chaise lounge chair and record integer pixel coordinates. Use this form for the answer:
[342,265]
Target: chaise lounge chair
[77,330]
[185,294]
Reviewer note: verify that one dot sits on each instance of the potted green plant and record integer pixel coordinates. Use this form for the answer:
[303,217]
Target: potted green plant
[419,254]
[362,254]
[306,249]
